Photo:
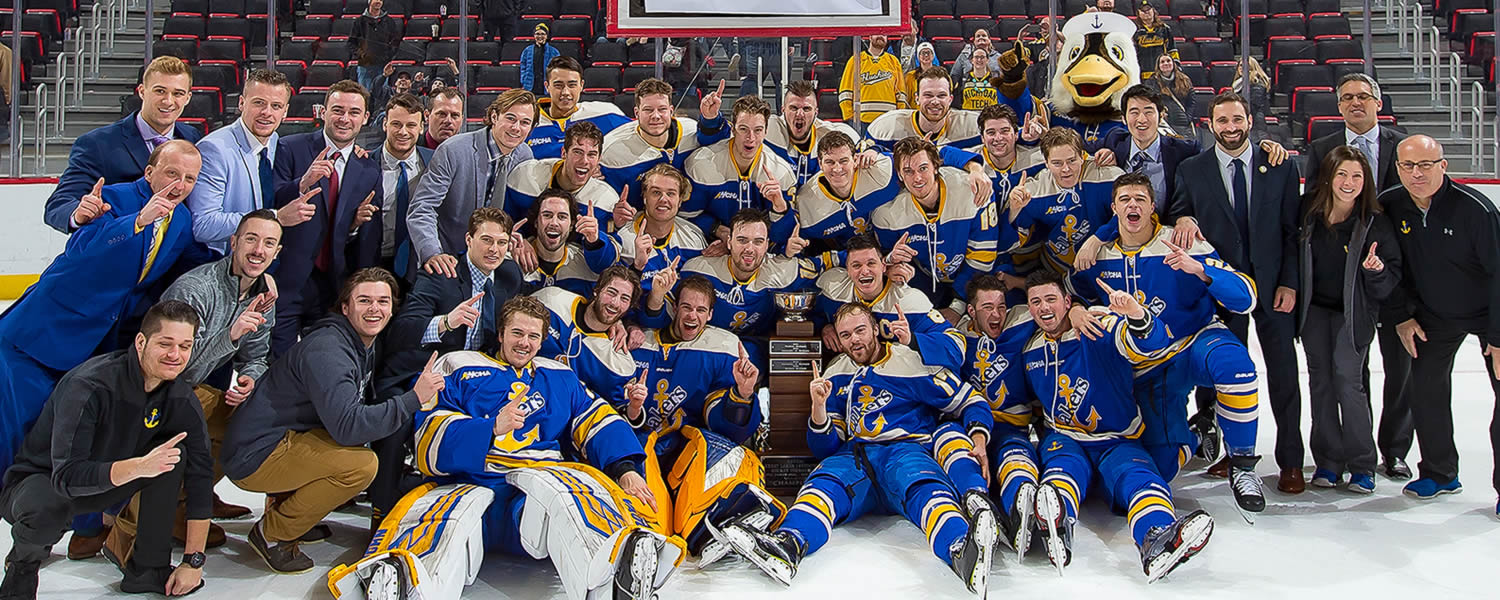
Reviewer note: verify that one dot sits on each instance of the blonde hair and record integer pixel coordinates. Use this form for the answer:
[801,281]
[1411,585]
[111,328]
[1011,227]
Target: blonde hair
[167,65]
[1257,75]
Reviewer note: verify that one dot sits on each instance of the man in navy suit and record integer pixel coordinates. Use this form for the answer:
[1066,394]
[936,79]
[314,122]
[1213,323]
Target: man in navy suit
[166,85]
[1247,209]
[402,164]
[237,163]
[1141,147]
[324,177]
[106,275]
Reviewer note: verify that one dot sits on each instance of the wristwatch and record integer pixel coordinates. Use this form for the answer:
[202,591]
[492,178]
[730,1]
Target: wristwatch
[194,560]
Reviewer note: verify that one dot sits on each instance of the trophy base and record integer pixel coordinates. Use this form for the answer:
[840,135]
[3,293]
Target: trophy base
[799,329]
[785,474]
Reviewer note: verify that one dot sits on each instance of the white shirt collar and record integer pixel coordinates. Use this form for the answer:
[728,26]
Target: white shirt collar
[1225,159]
[391,162]
[1153,151]
[255,144]
[332,147]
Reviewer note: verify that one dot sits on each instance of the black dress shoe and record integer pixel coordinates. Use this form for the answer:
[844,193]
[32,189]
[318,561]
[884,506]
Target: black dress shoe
[1395,468]
[317,534]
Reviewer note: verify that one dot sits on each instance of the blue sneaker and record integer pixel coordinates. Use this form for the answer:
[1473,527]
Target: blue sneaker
[1360,483]
[1427,489]
[1324,478]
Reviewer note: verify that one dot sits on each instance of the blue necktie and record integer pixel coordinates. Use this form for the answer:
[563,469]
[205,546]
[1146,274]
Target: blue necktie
[267,198]
[403,244]
[1241,203]
[487,324]
[489,190]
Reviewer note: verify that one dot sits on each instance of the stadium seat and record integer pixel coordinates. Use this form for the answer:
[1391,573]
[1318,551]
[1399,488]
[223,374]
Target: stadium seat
[948,50]
[1182,8]
[422,26]
[1285,25]
[626,103]
[206,104]
[315,25]
[602,79]
[191,6]
[299,48]
[478,104]
[302,104]
[1322,6]
[571,48]
[484,52]
[607,54]
[1221,74]
[1195,72]
[257,29]
[510,53]
[1466,22]
[1282,7]
[325,7]
[185,48]
[450,28]
[321,75]
[333,50]
[1338,49]
[634,75]
[641,55]
[1195,28]
[441,49]
[1280,49]
[1293,74]
[342,28]
[1444,8]
[1215,50]
[1188,51]
[1326,24]
[973,24]
[940,30]
[1203,97]
[233,7]
[573,28]
[224,26]
[185,24]
[295,71]
[588,96]
[354,7]
[828,107]
[1010,8]
[220,75]
[1008,28]
[499,77]
[934,8]
[1313,101]
[542,8]
[971,8]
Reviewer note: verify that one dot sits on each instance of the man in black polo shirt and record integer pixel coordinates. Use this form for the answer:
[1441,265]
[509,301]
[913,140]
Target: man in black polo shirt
[1450,243]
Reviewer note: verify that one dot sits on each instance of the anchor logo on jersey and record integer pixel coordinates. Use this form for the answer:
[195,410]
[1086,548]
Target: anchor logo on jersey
[1404,227]
[861,225]
[742,319]
[512,443]
[153,418]
[668,399]
[944,266]
[530,401]
[987,369]
[868,403]
[1072,393]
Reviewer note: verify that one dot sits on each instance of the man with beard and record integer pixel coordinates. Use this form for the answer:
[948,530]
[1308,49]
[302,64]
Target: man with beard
[1260,243]
[837,206]
[1064,206]
[738,174]
[300,437]
[445,315]
[402,163]
[445,116]
[1084,386]
[562,261]
[748,280]
[903,314]
[794,135]
[882,86]
[1184,289]
[331,183]
[581,331]
[874,417]
[948,234]
[573,173]
[658,237]
[658,137]
[112,430]
[696,392]
[236,178]
[561,110]
[934,117]
[1006,163]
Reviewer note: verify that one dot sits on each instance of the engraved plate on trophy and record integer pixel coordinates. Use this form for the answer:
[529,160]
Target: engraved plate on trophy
[794,366]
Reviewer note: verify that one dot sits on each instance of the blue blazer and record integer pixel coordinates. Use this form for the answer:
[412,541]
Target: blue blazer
[368,246]
[1173,150]
[228,185]
[300,244]
[95,283]
[97,154]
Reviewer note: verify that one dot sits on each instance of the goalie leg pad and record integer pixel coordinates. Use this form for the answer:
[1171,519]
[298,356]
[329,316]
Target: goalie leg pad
[434,538]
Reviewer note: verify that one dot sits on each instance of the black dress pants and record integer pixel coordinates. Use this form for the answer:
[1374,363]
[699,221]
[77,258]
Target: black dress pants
[39,516]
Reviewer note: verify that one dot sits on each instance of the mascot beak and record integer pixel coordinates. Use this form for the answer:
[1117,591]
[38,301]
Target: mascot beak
[1094,80]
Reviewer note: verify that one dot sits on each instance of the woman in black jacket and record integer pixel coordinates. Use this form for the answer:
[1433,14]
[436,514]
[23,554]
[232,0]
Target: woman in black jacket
[1350,263]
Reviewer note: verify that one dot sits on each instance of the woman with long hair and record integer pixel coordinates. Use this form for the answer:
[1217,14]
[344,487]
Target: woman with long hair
[1350,263]
[1176,91]
[1259,94]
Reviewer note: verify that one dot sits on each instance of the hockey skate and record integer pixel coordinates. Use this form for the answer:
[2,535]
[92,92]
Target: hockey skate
[387,581]
[1053,521]
[1249,497]
[1167,547]
[775,553]
[973,556]
[1016,527]
[1210,437]
[719,547]
[635,572]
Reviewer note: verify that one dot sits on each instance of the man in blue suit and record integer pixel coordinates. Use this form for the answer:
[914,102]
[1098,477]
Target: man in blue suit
[402,165]
[106,275]
[1142,148]
[323,177]
[1247,209]
[237,163]
[166,85]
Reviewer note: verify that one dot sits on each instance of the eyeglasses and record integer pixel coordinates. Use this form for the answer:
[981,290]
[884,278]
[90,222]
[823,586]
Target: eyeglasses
[1362,97]
[1421,165]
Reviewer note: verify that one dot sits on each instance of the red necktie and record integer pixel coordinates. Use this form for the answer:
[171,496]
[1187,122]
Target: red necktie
[325,256]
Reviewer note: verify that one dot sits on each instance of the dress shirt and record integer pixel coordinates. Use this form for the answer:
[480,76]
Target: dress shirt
[480,280]
[1154,168]
[390,173]
[150,135]
[1226,170]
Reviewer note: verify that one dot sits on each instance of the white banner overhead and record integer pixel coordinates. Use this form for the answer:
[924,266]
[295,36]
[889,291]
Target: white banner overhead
[770,7]
[756,18]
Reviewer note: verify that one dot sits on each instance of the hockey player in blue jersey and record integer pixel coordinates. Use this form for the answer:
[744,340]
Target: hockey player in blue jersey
[1084,387]
[561,110]
[874,415]
[523,460]
[572,173]
[995,336]
[739,173]
[583,332]
[937,216]
[1005,163]
[694,407]
[658,236]
[902,314]
[657,137]
[560,259]
[1183,288]
[835,205]
[796,134]
[1066,204]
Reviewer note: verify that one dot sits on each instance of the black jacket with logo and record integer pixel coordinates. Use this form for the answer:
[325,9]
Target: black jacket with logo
[1451,257]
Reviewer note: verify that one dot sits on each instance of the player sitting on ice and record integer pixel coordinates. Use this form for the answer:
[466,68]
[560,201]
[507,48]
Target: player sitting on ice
[499,449]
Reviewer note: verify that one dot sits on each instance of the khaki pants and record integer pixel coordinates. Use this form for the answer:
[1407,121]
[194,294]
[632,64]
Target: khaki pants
[216,415]
[305,478]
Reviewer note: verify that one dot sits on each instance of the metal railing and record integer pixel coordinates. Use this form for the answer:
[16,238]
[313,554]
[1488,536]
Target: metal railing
[1476,122]
[1455,88]
[62,92]
[39,146]
[96,26]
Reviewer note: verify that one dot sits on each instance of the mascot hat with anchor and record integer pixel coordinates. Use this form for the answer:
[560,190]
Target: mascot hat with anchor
[1098,64]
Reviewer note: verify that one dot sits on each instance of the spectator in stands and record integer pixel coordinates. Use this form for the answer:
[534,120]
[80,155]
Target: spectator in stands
[925,57]
[1153,38]
[1038,74]
[502,19]
[325,178]
[237,176]
[166,85]
[908,47]
[402,164]
[467,172]
[980,41]
[1101,6]
[1176,91]
[533,67]
[1259,93]
[882,86]
[1360,104]
[390,83]
[445,116]
[373,42]
[300,438]
[5,73]
[974,89]
[119,425]
[1350,263]
[419,83]
[764,53]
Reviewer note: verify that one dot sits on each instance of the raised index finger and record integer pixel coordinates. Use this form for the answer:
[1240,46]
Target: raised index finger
[475,299]
[431,360]
[518,225]
[817,374]
[1372,247]
[99,186]
[903,238]
[1108,291]
[175,439]
[721,88]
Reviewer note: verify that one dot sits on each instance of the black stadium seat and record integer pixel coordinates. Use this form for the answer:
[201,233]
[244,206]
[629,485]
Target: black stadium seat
[333,50]
[1196,28]
[574,29]
[550,8]
[315,25]
[634,75]
[184,48]
[971,8]
[323,74]
[1010,8]
[1336,49]
[607,53]
[1286,26]
[295,71]
[1289,75]
[225,27]
[325,7]
[484,52]
[302,104]
[602,79]
[297,49]
[1288,48]
[1326,24]
[578,7]
[498,76]
[222,76]
[973,24]
[234,7]
[192,6]
[185,24]
[948,29]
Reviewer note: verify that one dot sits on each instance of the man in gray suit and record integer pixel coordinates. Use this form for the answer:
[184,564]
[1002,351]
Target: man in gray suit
[468,171]
[237,177]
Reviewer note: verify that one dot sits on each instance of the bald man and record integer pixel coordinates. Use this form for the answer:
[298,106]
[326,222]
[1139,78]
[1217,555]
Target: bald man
[1450,244]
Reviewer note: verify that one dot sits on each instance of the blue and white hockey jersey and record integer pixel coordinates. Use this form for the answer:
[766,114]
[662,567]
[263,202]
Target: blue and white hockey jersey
[546,139]
[1093,135]
[936,340]
[685,242]
[1063,218]
[578,270]
[627,155]
[601,368]
[692,383]
[748,308]
[823,215]
[1026,161]
[455,441]
[1085,386]
[993,367]
[953,244]
[898,398]
[961,131]
[802,157]
[722,187]
[529,179]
